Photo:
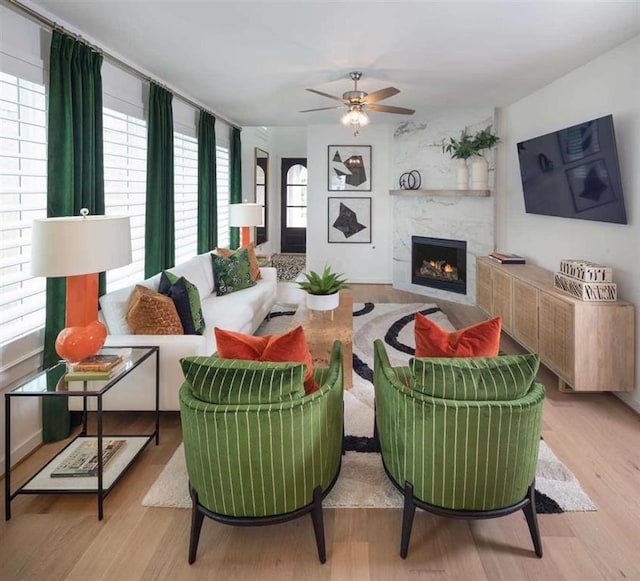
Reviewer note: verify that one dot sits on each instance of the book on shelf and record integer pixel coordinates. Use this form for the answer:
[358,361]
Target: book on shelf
[83,461]
[505,258]
[100,362]
[75,375]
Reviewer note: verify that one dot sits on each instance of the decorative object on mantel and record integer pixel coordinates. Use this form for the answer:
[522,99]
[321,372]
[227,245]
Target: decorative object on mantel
[323,289]
[482,140]
[410,180]
[586,280]
[460,149]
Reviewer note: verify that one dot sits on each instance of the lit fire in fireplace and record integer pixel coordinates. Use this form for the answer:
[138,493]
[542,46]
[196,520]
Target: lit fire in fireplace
[438,269]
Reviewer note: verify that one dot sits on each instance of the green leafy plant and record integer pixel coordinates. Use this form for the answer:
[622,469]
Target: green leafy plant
[459,148]
[484,139]
[326,283]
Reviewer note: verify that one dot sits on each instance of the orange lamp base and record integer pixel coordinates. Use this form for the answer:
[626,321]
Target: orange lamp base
[246,235]
[84,335]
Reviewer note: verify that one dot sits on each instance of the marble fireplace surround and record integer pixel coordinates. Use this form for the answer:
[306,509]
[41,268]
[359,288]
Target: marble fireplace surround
[455,216]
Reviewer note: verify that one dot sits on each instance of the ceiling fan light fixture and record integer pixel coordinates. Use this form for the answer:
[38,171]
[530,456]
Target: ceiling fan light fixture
[355,117]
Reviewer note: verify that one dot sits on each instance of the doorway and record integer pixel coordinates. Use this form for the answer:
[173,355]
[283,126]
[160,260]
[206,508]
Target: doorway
[293,179]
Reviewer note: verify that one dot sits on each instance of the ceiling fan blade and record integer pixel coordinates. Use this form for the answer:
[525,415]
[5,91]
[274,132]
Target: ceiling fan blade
[325,95]
[321,109]
[390,109]
[381,94]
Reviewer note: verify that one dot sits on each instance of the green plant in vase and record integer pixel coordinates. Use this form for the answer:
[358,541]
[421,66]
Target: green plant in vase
[481,141]
[322,289]
[460,149]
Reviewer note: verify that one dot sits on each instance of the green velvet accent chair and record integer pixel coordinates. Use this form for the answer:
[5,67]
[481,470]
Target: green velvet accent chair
[260,463]
[460,437]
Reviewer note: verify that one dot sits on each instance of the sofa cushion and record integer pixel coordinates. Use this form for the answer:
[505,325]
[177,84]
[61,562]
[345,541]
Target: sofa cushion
[290,346]
[233,381]
[113,307]
[505,377]
[233,273]
[195,271]
[479,340]
[152,313]
[186,297]
[251,253]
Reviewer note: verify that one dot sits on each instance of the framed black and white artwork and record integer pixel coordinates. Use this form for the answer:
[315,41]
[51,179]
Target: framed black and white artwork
[349,168]
[349,220]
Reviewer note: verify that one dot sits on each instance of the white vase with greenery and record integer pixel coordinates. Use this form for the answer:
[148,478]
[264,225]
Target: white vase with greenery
[323,289]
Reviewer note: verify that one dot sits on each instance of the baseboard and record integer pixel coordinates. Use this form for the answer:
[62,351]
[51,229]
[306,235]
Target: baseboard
[23,449]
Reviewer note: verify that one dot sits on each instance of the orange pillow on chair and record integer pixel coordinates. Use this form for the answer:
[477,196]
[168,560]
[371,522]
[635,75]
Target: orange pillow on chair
[479,340]
[290,346]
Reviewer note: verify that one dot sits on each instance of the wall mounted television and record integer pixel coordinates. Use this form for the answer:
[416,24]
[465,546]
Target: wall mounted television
[574,173]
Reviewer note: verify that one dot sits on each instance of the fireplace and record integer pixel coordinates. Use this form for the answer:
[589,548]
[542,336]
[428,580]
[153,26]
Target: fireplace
[439,263]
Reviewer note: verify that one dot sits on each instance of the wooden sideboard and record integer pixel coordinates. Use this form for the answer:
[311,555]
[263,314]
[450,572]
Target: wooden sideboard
[588,345]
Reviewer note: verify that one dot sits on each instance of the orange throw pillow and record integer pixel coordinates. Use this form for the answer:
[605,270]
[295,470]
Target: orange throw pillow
[479,340]
[290,346]
[251,253]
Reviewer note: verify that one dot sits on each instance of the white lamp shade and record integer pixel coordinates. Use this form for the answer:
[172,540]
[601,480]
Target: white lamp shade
[245,215]
[74,245]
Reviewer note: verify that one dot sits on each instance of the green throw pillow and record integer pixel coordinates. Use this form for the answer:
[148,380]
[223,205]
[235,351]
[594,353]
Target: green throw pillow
[232,273]
[501,378]
[186,298]
[237,381]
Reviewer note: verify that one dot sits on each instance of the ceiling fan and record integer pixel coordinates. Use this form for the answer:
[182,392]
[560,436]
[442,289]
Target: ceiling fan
[357,101]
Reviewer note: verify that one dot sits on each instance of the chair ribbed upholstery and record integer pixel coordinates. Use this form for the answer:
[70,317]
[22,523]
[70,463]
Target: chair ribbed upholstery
[260,460]
[457,454]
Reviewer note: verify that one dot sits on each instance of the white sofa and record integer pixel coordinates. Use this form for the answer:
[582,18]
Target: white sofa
[241,311]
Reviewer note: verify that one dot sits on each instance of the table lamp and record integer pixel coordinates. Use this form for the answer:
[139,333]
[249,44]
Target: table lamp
[245,216]
[79,247]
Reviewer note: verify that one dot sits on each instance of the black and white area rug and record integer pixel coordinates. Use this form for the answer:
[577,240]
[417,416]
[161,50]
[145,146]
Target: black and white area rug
[363,482]
[289,266]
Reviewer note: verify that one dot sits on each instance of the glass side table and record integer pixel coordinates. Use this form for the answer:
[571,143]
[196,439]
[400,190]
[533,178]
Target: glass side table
[51,383]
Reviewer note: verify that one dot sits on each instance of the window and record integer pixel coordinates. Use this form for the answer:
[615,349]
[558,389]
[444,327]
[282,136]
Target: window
[222,182]
[23,186]
[297,196]
[185,162]
[125,186]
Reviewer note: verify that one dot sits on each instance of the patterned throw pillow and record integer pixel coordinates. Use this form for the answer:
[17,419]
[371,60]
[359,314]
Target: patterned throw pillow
[151,313]
[501,378]
[479,340]
[186,297]
[233,273]
[236,381]
[251,253]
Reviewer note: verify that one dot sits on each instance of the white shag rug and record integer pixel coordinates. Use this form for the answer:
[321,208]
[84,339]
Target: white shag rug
[362,482]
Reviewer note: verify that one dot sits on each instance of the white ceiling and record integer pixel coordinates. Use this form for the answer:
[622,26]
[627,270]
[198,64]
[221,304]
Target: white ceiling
[251,61]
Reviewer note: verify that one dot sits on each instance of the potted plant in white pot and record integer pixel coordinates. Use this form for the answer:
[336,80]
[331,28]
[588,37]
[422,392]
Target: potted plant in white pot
[322,289]
[482,140]
[460,149]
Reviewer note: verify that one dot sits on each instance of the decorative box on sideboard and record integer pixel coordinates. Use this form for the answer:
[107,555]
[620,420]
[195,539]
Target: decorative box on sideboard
[590,346]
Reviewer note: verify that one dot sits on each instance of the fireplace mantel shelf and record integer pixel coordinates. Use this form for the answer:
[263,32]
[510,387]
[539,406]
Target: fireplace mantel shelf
[475,193]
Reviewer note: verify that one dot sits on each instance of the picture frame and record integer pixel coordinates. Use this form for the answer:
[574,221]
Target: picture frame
[349,221]
[349,168]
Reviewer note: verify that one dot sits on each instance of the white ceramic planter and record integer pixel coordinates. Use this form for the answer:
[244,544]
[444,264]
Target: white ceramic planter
[462,175]
[323,302]
[479,174]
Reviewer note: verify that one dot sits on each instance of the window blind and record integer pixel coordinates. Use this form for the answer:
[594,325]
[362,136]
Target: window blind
[222,183]
[185,156]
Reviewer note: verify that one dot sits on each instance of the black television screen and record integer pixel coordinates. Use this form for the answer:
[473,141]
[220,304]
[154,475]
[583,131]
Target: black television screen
[574,173]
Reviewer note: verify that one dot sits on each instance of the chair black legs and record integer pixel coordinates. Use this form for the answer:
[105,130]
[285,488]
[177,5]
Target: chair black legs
[318,523]
[408,513]
[532,520]
[196,526]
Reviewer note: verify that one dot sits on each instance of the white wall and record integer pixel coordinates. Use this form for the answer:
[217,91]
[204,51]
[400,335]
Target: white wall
[361,263]
[609,84]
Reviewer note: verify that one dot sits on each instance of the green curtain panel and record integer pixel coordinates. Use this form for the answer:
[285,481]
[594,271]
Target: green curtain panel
[235,195]
[207,186]
[75,178]
[159,239]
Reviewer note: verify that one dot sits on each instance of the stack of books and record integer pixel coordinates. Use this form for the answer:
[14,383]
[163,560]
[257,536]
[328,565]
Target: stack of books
[504,258]
[586,280]
[95,368]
